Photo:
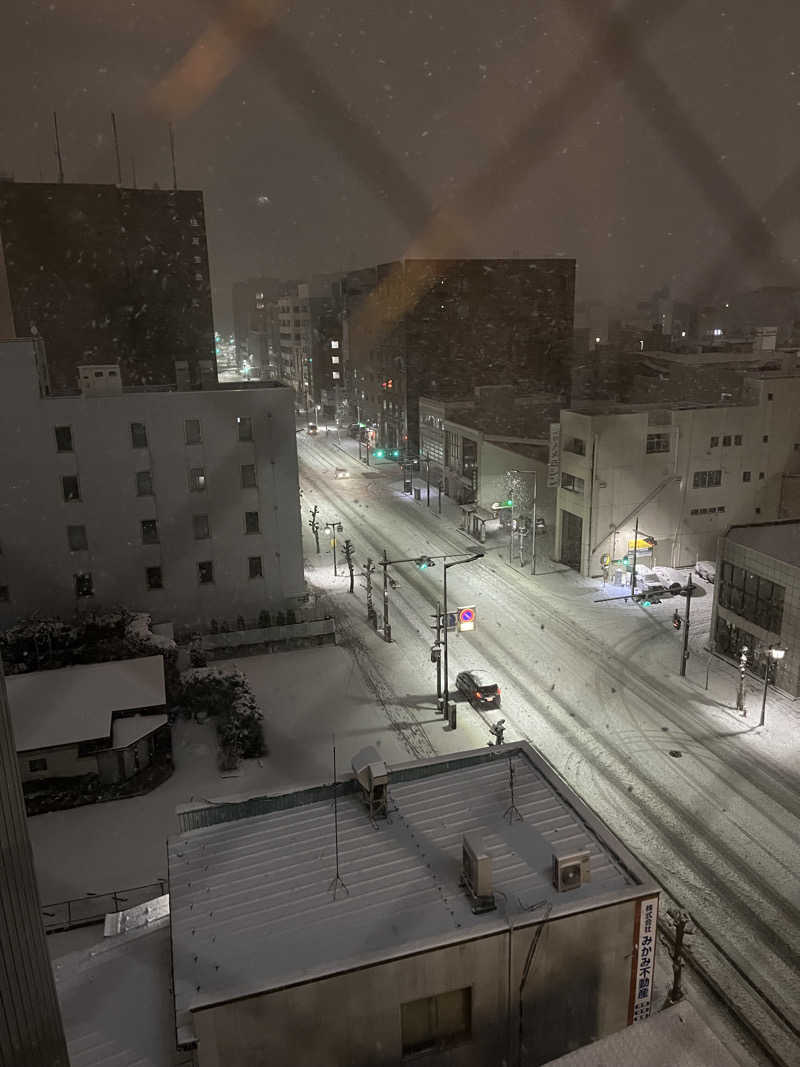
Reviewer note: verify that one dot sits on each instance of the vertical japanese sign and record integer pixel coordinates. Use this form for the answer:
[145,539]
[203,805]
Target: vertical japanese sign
[642,963]
[554,458]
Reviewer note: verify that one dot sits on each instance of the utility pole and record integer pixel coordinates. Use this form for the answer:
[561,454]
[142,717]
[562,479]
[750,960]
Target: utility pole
[368,570]
[441,490]
[348,555]
[387,630]
[312,522]
[740,690]
[428,480]
[436,651]
[633,568]
[685,653]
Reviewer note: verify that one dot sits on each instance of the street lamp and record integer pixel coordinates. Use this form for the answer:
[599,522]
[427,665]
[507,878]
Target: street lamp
[533,524]
[776,654]
[333,528]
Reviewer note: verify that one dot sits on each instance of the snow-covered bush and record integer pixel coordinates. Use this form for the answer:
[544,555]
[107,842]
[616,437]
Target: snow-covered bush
[225,695]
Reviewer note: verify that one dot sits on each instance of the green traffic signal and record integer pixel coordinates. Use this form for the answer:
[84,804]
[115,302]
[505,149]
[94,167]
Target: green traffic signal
[396,453]
[379,453]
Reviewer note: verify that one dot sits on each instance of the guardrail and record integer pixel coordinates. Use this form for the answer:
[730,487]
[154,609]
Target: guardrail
[93,908]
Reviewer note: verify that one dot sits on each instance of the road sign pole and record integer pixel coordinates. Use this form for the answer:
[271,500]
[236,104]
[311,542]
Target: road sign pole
[387,630]
[685,652]
[439,657]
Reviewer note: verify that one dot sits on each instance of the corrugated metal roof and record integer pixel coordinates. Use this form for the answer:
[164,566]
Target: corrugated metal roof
[251,900]
[63,707]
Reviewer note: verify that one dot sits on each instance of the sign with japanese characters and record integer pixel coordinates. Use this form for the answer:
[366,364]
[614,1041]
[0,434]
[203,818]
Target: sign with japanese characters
[554,458]
[643,960]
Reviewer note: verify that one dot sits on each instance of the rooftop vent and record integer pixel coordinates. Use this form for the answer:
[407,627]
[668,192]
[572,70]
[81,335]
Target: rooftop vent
[373,777]
[571,870]
[101,379]
[476,873]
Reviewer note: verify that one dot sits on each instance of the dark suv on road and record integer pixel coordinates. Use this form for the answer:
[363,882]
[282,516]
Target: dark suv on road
[478,687]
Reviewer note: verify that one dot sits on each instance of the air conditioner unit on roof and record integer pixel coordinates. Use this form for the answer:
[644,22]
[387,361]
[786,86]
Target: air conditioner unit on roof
[476,873]
[571,870]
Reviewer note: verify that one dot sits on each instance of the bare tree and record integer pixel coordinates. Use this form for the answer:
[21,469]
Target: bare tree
[312,522]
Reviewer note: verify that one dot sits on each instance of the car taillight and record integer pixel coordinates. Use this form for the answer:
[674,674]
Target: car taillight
[477,696]
[498,690]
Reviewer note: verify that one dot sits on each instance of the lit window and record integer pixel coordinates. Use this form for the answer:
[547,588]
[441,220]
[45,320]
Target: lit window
[197,479]
[334,360]
[334,344]
[336,375]
[717,332]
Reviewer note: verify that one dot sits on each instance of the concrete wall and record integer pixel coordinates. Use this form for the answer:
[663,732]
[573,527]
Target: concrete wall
[62,762]
[577,989]
[685,521]
[37,564]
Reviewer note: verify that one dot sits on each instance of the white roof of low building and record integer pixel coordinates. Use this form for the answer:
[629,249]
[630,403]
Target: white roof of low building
[675,1037]
[251,899]
[133,728]
[73,704]
[778,540]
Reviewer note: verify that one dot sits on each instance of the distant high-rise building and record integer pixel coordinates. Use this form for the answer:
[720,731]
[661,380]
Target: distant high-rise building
[31,1032]
[255,321]
[103,274]
[441,327]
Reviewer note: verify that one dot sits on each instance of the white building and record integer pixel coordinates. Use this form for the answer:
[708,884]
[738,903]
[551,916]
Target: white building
[486,905]
[181,504]
[686,471]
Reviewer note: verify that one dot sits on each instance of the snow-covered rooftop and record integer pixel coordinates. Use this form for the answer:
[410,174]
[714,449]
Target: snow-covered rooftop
[251,901]
[778,540]
[133,728]
[73,704]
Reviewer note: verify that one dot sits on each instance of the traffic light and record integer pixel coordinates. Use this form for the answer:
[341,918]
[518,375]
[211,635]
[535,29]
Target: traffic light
[676,620]
[423,562]
[395,453]
[379,453]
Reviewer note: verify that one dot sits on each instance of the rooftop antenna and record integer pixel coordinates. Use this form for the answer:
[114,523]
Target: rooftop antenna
[512,812]
[58,150]
[337,881]
[172,154]
[116,147]
[133,171]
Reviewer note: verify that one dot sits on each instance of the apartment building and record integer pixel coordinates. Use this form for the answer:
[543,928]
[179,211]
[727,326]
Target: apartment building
[100,269]
[467,908]
[180,503]
[440,327]
[684,471]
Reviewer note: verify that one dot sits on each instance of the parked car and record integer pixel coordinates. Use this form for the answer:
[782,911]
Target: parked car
[340,472]
[706,570]
[672,580]
[478,687]
[649,583]
[354,430]
[312,428]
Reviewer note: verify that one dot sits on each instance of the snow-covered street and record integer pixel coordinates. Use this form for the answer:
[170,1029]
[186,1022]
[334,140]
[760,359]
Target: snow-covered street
[709,803]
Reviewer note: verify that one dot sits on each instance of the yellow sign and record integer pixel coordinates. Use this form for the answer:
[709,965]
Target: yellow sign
[641,545]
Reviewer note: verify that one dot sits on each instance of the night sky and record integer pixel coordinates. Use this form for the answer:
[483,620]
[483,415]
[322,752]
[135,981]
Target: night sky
[655,142]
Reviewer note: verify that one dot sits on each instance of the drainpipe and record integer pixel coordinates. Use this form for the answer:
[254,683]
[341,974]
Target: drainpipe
[592,491]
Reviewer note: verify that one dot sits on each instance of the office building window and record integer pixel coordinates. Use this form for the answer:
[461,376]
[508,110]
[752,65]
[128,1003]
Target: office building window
[70,487]
[746,475]
[334,344]
[726,441]
[248,476]
[200,527]
[138,435]
[251,525]
[576,445]
[714,442]
[657,442]
[154,578]
[84,586]
[254,565]
[737,438]
[205,572]
[761,476]
[765,439]
[197,479]
[757,599]
[149,532]
[436,1022]
[5,596]
[192,431]
[144,483]
[76,538]
[64,438]
[35,765]
[245,426]
[706,479]
[569,481]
